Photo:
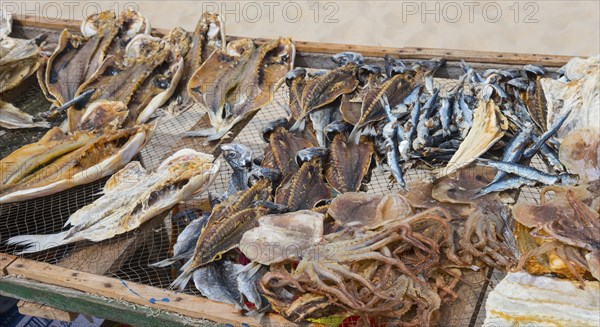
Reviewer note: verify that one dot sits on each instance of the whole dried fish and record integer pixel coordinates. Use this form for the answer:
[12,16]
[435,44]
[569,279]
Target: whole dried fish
[235,84]
[131,197]
[19,63]
[515,149]
[532,173]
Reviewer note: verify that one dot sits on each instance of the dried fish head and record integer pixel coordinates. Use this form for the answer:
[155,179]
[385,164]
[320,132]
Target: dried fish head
[103,115]
[282,237]
[133,23]
[96,22]
[238,156]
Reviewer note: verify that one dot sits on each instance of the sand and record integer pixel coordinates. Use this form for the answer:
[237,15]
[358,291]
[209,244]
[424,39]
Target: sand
[544,27]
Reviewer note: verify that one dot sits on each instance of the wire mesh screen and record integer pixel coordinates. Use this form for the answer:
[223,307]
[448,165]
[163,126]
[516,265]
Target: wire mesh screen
[127,256]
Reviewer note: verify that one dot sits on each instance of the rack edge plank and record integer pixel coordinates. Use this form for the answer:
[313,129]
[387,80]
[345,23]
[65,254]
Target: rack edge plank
[139,294]
[369,51]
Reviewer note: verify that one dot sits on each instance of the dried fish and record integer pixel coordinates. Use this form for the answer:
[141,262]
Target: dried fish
[489,125]
[73,164]
[226,225]
[305,189]
[12,118]
[235,84]
[349,163]
[131,197]
[532,173]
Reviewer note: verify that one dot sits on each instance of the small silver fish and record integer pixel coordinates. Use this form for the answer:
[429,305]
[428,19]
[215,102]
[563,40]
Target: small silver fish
[532,173]
[533,149]
[186,242]
[514,150]
[509,183]
[445,115]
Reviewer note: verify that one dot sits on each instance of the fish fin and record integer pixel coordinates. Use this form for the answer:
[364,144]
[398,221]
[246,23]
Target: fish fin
[206,132]
[182,280]
[36,243]
[165,263]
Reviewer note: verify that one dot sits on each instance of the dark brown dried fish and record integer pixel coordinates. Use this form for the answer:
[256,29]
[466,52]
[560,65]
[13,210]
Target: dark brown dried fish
[323,90]
[226,225]
[305,189]
[284,145]
[349,163]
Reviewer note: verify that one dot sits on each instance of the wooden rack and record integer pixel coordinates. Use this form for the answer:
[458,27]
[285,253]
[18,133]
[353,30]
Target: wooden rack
[76,286]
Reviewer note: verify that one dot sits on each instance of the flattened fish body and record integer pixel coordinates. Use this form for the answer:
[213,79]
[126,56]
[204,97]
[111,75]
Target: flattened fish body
[349,163]
[129,202]
[97,158]
[31,157]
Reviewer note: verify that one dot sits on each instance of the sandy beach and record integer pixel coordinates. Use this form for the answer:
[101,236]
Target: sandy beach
[545,27]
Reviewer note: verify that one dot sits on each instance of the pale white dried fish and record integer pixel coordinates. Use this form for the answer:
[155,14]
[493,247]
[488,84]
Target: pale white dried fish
[489,125]
[580,94]
[131,197]
[12,118]
[525,300]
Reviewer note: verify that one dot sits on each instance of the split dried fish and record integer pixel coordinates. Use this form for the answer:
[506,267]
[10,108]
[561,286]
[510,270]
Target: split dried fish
[349,163]
[131,197]
[489,125]
[236,83]
[229,220]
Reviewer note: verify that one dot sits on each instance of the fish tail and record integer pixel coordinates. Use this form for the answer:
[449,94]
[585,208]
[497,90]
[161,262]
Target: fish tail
[165,263]
[182,280]
[36,243]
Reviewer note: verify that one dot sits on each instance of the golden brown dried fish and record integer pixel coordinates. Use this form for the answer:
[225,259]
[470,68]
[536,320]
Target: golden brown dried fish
[162,83]
[284,145]
[349,163]
[489,125]
[323,90]
[235,84]
[131,197]
[99,157]
[32,157]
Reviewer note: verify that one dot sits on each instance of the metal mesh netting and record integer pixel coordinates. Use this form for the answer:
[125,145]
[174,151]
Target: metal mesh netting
[127,256]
